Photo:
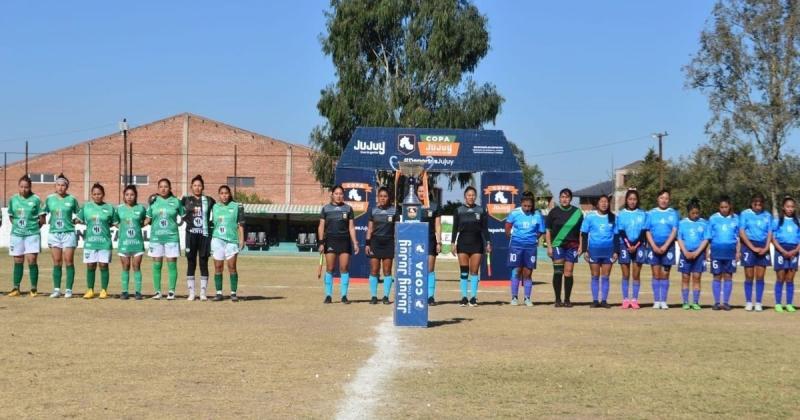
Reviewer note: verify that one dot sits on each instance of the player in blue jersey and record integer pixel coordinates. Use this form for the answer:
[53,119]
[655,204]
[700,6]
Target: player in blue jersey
[723,235]
[662,228]
[629,228]
[523,226]
[692,241]
[601,246]
[755,232]
[786,238]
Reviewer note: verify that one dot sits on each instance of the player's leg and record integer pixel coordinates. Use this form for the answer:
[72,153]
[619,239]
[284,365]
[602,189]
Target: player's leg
[463,264]
[749,276]
[431,279]
[779,278]
[192,244]
[374,271]
[136,263]
[558,278]
[219,268]
[605,283]
[665,270]
[203,255]
[788,279]
[33,270]
[104,275]
[344,275]
[594,269]
[68,256]
[527,284]
[656,282]
[685,283]
[125,276]
[55,254]
[330,264]
[387,278]
[474,276]
[759,272]
[172,270]
[625,268]
[696,290]
[234,274]
[569,280]
[727,285]
[90,258]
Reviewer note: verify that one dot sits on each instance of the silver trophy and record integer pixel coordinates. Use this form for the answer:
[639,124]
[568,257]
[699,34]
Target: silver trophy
[411,205]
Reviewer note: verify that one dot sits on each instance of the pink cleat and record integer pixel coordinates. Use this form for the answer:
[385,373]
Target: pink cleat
[626,304]
[634,304]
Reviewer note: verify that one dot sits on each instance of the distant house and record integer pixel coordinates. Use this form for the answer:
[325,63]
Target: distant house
[622,182]
[589,195]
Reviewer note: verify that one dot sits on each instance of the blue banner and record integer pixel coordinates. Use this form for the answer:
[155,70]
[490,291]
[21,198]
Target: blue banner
[359,193]
[411,272]
[500,194]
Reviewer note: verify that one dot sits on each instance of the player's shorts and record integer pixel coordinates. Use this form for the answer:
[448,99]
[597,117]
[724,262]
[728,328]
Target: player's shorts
[782,263]
[21,245]
[197,244]
[432,246]
[130,254]
[751,259]
[566,254]
[382,247]
[168,250]
[62,240]
[639,257]
[92,256]
[522,257]
[666,259]
[223,250]
[687,266]
[719,266]
[599,260]
[469,243]
[338,245]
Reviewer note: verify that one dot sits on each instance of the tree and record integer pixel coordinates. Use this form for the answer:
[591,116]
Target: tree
[748,67]
[532,175]
[401,64]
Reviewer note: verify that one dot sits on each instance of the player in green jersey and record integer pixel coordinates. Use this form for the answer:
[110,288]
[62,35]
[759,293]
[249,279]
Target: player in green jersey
[226,240]
[26,215]
[163,214]
[132,218]
[98,217]
[62,238]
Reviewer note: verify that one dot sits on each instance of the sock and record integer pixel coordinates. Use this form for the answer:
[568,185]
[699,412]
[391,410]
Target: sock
[56,277]
[727,289]
[203,285]
[568,282]
[625,287]
[172,274]
[70,276]
[104,278]
[33,270]
[748,290]
[137,281]
[685,295]
[595,287]
[157,276]
[234,283]
[387,285]
[345,280]
[373,286]
[431,284]
[514,283]
[664,290]
[126,278]
[557,286]
[19,269]
[463,284]
[759,290]
[656,289]
[715,289]
[218,282]
[605,286]
[528,287]
[190,284]
[473,282]
[778,292]
[90,278]
[790,293]
[636,286]
[696,296]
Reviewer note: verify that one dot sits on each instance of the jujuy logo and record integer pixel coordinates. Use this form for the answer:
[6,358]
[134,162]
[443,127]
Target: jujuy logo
[406,143]
[370,147]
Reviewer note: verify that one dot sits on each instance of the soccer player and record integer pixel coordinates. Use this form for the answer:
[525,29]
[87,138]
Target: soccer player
[62,239]
[662,228]
[692,262]
[26,215]
[162,216]
[132,218]
[380,245]
[523,226]
[786,238]
[470,240]
[433,215]
[563,244]
[723,235]
[601,243]
[755,232]
[337,235]
[98,217]
[198,235]
[630,226]
[227,240]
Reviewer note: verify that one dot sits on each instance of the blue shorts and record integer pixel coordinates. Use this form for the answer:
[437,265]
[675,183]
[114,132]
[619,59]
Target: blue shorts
[639,258]
[666,259]
[782,263]
[697,265]
[600,260]
[522,257]
[722,266]
[566,254]
[751,259]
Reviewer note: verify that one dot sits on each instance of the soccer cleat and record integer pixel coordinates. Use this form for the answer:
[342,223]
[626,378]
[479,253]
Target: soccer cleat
[68,294]
[748,306]
[13,293]
[464,302]
[33,293]
[528,302]
[634,304]
[716,307]
[103,294]
[726,307]
[373,300]
[234,297]
[605,305]
[567,304]
[191,297]
[758,307]
[218,298]
[137,296]
[156,296]
[89,294]
[55,294]
[473,302]
[347,301]
[656,305]
[431,301]
[385,300]
[778,308]
[790,308]
[514,301]
[595,304]
[626,304]
[686,306]
[558,304]
[171,295]
[203,298]
[124,296]
[664,305]
[327,298]
[696,307]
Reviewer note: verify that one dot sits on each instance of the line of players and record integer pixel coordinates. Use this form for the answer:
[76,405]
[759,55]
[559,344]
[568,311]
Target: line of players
[213,228]
[632,238]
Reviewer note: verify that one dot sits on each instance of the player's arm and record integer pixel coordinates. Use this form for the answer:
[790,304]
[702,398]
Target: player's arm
[454,235]
[321,233]
[487,239]
[240,225]
[438,232]
[508,227]
[368,247]
[352,229]
[744,239]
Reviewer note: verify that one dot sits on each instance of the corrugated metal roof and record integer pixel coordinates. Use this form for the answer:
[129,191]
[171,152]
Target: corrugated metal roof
[596,190]
[282,208]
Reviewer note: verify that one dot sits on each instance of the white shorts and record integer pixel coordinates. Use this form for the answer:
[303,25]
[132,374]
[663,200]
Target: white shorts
[170,250]
[21,245]
[130,254]
[91,256]
[62,240]
[222,250]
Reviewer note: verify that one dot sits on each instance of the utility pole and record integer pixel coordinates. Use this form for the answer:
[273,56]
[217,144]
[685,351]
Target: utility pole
[123,127]
[26,158]
[660,137]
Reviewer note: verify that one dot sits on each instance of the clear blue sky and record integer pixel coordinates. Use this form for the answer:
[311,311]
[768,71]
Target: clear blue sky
[574,74]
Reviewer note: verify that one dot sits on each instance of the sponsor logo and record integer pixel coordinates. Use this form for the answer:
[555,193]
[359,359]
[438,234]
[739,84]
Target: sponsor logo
[356,195]
[438,145]
[487,150]
[500,200]
[406,143]
[370,147]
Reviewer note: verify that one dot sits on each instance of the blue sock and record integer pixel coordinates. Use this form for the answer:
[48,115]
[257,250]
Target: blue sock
[727,289]
[595,287]
[514,283]
[778,292]
[716,285]
[748,290]
[463,285]
[373,286]
[636,286]
[387,285]
[625,287]
[759,290]
[328,284]
[696,296]
[605,285]
[790,293]
[345,279]
[473,282]
[656,289]
[431,284]
[685,295]
[664,289]
[528,287]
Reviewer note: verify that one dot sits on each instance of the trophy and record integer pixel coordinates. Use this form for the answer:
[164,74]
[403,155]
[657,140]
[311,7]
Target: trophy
[412,207]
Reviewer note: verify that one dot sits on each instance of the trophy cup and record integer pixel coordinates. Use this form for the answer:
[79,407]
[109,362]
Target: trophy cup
[411,254]
[412,207]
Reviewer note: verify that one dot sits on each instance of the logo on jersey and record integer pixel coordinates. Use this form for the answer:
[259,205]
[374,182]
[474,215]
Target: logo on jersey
[198,221]
[438,145]
[131,233]
[500,200]
[406,143]
[356,194]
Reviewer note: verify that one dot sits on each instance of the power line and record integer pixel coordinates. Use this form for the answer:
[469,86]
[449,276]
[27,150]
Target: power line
[585,148]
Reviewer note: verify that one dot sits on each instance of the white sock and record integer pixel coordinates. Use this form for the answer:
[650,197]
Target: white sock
[203,284]
[190,284]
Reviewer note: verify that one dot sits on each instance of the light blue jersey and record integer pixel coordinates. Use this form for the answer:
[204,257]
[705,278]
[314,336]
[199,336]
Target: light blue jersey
[723,233]
[601,230]
[631,223]
[660,223]
[787,233]
[692,233]
[525,228]
[756,226]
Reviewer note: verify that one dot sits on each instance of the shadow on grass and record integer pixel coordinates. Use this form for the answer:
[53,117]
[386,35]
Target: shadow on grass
[444,322]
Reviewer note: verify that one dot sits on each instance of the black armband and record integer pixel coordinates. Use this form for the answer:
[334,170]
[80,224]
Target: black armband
[585,244]
[368,242]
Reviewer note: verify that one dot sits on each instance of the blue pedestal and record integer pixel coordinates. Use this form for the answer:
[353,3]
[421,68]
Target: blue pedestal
[411,274]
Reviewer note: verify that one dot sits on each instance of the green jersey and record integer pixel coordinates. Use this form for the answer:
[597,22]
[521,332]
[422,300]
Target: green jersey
[163,214]
[98,219]
[227,218]
[131,220]
[62,210]
[24,214]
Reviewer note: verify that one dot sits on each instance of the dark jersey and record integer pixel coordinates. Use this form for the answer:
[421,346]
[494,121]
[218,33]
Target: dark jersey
[197,217]
[555,221]
[383,220]
[470,222]
[337,219]
[429,215]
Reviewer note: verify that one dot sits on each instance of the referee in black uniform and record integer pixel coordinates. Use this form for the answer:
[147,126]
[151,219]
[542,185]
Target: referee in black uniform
[337,235]
[433,215]
[470,239]
[380,244]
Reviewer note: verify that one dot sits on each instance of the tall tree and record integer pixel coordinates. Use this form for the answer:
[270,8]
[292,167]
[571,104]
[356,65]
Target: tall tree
[747,65]
[401,64]
[532,175]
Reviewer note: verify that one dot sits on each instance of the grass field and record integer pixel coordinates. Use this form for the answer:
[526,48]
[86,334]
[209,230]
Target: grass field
[280,353]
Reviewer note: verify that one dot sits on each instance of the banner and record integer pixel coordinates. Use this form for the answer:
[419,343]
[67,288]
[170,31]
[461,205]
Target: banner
[500,194]
[358,193]
[411,272]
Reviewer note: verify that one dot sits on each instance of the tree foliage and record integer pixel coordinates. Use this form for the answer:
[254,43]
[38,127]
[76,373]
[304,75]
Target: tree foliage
[532,175]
